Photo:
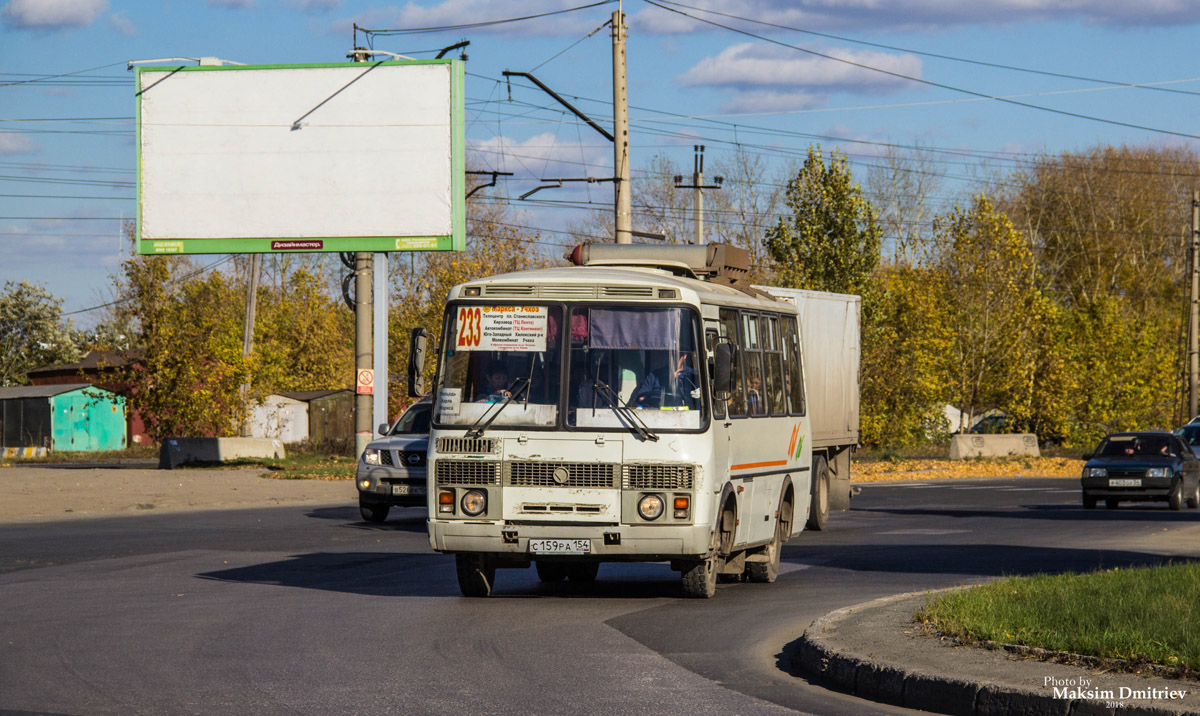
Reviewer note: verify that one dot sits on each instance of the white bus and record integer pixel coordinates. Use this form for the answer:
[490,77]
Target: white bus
[646,404]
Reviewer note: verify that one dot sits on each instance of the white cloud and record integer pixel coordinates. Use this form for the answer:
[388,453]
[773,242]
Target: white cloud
[11,143]
[52,14]
[758,101]
[462,12]
[539,157]
[749,67]
[913,14]
[118,23]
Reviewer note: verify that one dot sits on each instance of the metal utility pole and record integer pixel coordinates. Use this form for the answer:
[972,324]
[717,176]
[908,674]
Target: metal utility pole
[1193,350]
[363,357]
[698,186]
[622,199]
[248,331]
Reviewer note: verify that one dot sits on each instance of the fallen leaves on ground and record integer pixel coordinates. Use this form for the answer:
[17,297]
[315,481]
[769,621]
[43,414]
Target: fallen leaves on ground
[895,470]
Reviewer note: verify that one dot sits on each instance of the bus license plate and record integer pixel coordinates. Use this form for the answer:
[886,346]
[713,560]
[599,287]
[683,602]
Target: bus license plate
[408,489]
[1124,483]
[560,546]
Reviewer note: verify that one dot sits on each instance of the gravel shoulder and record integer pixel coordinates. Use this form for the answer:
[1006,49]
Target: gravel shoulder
[56,493]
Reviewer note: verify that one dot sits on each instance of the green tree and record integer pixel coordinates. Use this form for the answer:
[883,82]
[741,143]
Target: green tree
[831,240]
[188,330]
[33,333]
[906,349]
[988,268]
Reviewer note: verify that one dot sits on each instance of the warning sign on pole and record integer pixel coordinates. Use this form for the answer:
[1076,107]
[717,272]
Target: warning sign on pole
[366,382]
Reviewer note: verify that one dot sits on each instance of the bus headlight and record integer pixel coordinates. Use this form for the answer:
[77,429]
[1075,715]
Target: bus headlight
[474,502]
[370,456]
[650,507]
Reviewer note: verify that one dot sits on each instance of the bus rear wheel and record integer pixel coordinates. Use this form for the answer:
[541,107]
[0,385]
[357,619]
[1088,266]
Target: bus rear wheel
[476,574]
[767,571]
[818,514]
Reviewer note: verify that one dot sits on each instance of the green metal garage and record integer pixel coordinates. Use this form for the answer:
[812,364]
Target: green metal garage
[77,416]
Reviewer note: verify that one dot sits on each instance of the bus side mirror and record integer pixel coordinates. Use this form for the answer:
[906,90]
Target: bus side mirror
[416,361]
[722,364]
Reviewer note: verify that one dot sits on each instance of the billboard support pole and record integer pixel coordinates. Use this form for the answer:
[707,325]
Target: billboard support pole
[380,397]
[363,358]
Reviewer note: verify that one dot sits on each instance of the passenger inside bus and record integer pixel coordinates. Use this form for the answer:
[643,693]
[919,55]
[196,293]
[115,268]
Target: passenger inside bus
[495,387]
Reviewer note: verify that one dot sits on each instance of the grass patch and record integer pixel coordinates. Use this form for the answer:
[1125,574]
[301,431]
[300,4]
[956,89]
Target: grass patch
[135,453]
[1138,616]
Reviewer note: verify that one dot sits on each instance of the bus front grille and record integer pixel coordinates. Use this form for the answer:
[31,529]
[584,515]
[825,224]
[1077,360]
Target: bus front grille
[466,472]
[658,477]
[522,473]
[474,446]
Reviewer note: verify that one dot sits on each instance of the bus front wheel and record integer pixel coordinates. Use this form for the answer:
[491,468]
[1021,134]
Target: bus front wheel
[700,578]
[476,574]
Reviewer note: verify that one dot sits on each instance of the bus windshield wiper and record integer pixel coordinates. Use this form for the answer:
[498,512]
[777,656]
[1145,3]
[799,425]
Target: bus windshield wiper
[514,390]
[614,401]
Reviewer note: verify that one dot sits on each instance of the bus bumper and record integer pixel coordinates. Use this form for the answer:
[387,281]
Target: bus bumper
[637,543]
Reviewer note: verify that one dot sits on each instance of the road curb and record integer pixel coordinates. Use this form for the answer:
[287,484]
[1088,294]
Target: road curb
[820,656]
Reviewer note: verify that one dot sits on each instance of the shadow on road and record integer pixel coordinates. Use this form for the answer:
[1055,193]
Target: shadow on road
[433,575]
[403,519]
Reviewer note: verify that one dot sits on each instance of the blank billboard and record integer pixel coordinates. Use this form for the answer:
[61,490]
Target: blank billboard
[290,158]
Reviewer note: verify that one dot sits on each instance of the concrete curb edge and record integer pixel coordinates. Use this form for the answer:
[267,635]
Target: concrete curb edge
[897,685]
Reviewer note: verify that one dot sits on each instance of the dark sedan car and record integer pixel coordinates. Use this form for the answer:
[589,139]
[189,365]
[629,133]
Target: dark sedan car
[1141,467]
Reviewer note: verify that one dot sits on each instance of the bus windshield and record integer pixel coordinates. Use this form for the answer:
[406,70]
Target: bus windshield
[626,358]
[494,353]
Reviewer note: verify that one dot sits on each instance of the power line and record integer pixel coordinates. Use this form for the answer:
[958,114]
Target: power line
[485,23]
[930,83]
[936,55]
[43,78]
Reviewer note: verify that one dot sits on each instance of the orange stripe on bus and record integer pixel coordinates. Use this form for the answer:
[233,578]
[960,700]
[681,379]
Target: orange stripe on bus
[752,465]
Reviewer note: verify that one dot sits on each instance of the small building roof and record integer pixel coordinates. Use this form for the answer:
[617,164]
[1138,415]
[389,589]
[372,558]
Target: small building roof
[307,395]
[42,391]
[94,360]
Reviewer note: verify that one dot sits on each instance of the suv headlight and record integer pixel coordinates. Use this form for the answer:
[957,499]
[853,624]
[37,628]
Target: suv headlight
[1095,472]
[1158,472]
[371,456]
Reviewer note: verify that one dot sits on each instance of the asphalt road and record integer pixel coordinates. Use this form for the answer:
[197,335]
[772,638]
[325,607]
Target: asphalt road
[303,610]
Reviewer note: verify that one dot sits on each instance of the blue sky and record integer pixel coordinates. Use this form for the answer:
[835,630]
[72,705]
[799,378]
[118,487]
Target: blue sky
[66,98]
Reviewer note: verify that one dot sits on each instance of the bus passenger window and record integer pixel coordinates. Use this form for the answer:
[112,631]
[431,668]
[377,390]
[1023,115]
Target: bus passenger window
[773,364]
[731,329]
[793,368]
[756,396]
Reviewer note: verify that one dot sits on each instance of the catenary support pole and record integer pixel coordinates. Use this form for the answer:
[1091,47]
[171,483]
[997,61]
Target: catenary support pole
[623,200]
[1194,311]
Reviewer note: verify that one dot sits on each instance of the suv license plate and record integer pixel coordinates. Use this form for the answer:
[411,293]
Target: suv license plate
[408,489]
[560,546]
[1124,483]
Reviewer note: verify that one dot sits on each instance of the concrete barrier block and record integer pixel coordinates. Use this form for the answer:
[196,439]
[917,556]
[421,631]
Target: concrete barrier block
[967,446]
[179,451]
[25,452]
